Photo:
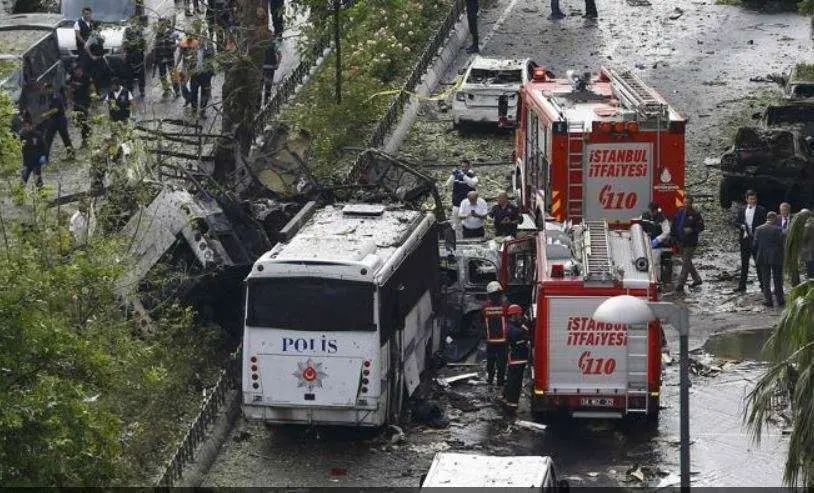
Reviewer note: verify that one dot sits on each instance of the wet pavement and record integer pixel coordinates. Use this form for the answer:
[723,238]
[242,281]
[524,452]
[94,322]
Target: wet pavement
[700,56]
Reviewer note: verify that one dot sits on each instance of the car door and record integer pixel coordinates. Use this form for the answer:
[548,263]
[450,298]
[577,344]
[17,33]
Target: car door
[518,270]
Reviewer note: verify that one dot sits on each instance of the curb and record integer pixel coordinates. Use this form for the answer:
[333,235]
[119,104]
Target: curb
[429,82]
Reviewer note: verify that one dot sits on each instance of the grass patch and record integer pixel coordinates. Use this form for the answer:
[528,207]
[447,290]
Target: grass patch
[804,71]
[381,41]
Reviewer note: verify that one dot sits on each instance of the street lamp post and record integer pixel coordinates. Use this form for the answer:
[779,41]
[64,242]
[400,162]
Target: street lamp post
[627,310]
[337,41]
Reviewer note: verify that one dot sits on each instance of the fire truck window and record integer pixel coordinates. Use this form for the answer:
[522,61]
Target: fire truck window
[482,271]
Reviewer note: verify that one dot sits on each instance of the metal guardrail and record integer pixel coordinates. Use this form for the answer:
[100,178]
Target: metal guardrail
[229,379]
[393,114]
[307,62]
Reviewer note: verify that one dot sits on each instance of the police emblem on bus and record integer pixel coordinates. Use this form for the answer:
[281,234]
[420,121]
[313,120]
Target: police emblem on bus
[309,374]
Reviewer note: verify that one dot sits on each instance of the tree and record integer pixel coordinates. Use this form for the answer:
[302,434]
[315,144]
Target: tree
[86,398]
[790,351]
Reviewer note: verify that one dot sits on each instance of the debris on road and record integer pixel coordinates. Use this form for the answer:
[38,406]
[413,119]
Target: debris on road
[637,473]
[593,474]
[712,161]
[398,434]
[430,413]
[639,3]
[446,382]
[530,425]
[430,448]
[677,12]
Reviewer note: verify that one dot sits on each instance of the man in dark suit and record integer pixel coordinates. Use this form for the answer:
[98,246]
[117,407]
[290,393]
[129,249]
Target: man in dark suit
[687,225]
[750,216]
[769,258]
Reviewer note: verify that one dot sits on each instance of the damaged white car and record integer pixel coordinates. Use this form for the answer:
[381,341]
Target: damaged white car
[484,82]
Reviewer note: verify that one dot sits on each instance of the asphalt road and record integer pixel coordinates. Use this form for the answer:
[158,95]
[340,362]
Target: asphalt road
[700,56]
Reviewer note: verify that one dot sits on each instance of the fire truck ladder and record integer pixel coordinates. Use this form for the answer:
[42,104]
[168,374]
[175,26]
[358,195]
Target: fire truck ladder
[633,93]
[575,170]
[637,369]
[596,256]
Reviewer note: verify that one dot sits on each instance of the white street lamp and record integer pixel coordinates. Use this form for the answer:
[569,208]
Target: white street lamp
[629,310]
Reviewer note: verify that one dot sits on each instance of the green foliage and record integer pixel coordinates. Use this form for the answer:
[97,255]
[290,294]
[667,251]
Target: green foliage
[790,350]
[381,40]
[87,396]
[806,7]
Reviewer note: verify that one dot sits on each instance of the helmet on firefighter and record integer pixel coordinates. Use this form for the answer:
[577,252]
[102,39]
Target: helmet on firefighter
[514,310]
[494,287]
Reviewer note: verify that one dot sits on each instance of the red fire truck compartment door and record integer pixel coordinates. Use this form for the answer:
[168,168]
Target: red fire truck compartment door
[618,180]
[584,356]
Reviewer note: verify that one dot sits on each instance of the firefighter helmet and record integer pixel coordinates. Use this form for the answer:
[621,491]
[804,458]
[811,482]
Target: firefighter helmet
[493,287]
[514,310]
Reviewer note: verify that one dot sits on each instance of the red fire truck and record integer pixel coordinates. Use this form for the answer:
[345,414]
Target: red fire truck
[582,367]
[596,147]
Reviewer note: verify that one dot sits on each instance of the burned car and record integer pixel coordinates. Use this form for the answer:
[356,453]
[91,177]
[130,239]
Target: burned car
[485,82]
[776,159]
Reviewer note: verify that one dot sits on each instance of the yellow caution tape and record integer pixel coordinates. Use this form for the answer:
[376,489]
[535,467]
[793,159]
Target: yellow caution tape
[437,97]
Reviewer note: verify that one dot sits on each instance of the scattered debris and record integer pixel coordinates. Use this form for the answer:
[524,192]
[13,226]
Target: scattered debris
[530,425]
[677,12]
[430,413]
[666,359]
[398,434]
[572,479]
[429,449]
[242,436]
[672,479]
[593,474]
[636,472]
[639,3]
[530,10]
[771,78]
[712,161]
[446,382]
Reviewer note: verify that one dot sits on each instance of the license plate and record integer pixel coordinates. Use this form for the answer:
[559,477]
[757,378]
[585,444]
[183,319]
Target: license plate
[597,402]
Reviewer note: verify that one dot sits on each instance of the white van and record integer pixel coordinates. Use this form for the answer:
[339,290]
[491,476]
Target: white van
[453,470]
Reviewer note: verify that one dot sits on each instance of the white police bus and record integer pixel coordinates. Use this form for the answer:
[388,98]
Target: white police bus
[339,319]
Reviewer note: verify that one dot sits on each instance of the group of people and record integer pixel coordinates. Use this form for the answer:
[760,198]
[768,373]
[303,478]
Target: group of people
[761,237]
[508,344]
[472,7]
[469,210]
[185,66]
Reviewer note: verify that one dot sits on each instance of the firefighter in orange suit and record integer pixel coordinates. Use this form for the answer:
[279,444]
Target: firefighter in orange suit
[517,337]
[494,319]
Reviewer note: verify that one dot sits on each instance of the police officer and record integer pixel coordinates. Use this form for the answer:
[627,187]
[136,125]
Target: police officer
[494,318]
[518,338]
[57,121]
[33,149]
[118,100]
[463,181]
[80,87]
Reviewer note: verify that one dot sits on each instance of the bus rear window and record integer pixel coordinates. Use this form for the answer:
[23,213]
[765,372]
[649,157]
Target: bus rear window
[311,304]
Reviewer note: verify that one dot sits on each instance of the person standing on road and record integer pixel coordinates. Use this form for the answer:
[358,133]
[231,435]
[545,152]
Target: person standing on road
[688,224]
[82,29]
[134,50]
[119,100]
[201,68]
[494,320]
[33,150]
[556,13]
[768,240]
[271,61]
[517,339]
[57,122]
[463,181]
[506,216]
[472,20]
[80,84]
[164,57]
[784,217]
[277,8]
[750,216]
[473,212]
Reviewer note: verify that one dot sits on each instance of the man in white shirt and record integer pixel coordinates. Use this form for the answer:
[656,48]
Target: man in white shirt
[473,211]
[463,181]
[750,216]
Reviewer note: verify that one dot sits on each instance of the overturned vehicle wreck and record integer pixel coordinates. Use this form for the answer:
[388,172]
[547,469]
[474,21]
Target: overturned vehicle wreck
[776,157]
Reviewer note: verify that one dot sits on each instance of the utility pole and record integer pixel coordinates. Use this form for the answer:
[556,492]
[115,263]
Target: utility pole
[337,42]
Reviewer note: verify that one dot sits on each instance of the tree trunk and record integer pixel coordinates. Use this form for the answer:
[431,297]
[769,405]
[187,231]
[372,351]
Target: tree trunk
[242,85]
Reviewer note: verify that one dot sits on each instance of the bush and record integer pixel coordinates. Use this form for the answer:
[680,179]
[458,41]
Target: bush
[381,40]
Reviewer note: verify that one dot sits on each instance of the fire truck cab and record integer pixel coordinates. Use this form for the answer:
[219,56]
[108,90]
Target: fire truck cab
[581,367]
[596,147]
